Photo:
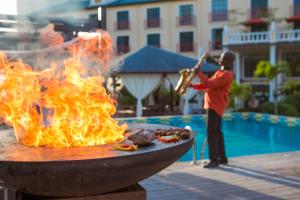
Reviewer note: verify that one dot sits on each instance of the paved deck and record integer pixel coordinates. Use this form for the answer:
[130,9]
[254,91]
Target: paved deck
[273,176]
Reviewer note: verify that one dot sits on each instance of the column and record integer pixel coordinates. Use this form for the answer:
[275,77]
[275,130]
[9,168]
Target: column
[238,67]
[272,58]
[225,38]
[272,62]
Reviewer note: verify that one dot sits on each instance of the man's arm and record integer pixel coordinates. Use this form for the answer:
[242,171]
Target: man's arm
[216,82]
[198,86]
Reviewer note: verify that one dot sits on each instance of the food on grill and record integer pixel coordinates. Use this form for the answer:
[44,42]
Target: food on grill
[125,147]
[180,132]
[141,137]
[169,138]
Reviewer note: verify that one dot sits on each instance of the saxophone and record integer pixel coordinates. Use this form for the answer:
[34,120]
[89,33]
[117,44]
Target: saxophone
[187,76]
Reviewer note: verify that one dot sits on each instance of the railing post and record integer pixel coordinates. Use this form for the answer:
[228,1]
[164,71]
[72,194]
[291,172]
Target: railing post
[5,193]
[194,162]
[225,37]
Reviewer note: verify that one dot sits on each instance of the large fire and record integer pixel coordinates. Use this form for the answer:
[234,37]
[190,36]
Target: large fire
[64,105]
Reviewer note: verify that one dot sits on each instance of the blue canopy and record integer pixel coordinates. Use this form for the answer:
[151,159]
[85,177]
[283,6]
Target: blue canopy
[150,59]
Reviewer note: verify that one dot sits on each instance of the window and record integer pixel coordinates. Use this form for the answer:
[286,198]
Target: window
[153,40]
[296,7]
[122,20]
[217,38]
[153,17]
[250,63]
[186,42]
[122,44]
[259,8]
[219,10]
[186,15]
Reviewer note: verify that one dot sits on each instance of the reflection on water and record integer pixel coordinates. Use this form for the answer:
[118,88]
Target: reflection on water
[244,138]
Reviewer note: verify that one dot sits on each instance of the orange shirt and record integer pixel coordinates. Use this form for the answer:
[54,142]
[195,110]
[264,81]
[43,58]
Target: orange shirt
[217,89]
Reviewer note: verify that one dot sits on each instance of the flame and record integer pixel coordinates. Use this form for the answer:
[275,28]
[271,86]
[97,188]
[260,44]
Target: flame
[65,105]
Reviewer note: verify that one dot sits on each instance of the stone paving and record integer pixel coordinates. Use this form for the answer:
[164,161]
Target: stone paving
[272,176]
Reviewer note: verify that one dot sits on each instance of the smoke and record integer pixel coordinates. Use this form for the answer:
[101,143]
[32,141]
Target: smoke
[39,45]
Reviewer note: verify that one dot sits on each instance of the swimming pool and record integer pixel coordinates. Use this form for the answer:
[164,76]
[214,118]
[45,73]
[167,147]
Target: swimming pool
[245,133]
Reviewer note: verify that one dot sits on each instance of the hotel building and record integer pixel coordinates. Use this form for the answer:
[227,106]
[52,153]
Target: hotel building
[254,29]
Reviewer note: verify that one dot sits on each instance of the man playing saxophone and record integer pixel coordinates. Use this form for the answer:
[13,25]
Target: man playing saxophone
[216,101]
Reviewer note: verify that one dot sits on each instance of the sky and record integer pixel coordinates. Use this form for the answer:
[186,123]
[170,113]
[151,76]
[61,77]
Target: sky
[8,7]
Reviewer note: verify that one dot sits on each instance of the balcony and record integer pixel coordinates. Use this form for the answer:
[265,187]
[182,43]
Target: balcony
[185,47]
[122,49]
[258,13]
[217,16]
[122,25]
[152,23]
[186,20]
[239,38]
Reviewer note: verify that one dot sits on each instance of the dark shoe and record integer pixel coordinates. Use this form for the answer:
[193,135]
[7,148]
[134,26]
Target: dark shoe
[211,164]
[223,161]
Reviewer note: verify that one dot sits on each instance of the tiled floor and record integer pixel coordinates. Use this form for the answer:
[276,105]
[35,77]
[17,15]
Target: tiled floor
[274,176]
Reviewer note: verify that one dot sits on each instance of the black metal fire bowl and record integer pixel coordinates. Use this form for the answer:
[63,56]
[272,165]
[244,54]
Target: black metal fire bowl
[82,171]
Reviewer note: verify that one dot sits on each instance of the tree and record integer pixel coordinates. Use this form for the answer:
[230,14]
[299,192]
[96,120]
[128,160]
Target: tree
[241,92]
[271,72]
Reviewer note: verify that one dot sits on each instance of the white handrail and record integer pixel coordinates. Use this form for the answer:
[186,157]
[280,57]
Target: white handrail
[248,38]
[239,38]
[288,35]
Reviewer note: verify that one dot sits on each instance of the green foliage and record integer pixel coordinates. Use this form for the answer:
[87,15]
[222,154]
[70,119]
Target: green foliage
[290,87]
[293,100]
[126,98]
[283,109]
[241,91]
[287,109]
[265,69]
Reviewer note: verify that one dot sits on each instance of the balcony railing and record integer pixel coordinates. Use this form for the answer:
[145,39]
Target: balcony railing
[185,47]
[186,20]
[122,49]
[217,16]
[122,25]
[152,23]
[248,38]
[238,38]
[257,13]
[288,36]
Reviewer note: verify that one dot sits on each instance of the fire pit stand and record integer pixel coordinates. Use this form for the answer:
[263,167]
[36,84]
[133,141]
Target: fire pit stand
[132,192]
[79,173]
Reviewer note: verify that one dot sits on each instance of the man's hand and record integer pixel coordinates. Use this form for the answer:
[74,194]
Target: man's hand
[196,69]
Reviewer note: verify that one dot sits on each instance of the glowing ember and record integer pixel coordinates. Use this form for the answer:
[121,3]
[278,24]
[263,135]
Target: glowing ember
[64,105]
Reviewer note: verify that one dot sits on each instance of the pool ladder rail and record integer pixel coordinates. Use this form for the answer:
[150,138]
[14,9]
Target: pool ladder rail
[194,162]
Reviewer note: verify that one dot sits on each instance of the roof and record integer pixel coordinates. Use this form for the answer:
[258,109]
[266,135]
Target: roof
[107,3]
[295,18]
[151,59]
[253,22]
[70,5]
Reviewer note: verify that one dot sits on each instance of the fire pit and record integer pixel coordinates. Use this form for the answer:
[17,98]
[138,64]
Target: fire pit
[82,171]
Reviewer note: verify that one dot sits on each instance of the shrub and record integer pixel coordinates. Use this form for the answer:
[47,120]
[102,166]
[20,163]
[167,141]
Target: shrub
[287,109]
[293,100]
[283,109]
[267,107]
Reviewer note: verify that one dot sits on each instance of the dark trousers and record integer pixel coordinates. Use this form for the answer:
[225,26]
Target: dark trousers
[215,136]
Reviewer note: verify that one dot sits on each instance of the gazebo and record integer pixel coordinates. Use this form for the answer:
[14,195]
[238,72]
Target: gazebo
[144,70]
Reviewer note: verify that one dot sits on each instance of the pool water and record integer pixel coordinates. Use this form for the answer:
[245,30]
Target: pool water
[244,137]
